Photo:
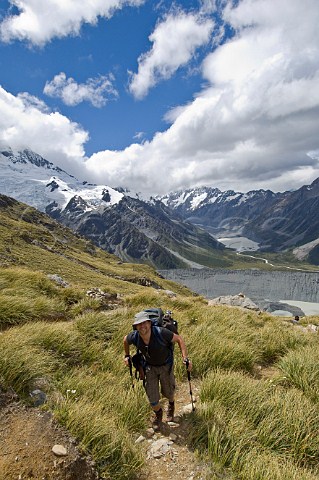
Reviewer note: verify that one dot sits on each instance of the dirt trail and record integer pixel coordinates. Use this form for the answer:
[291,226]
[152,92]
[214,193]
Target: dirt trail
[27,436]
[179,462]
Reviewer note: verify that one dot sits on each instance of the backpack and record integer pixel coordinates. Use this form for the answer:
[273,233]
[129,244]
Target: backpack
[159,319]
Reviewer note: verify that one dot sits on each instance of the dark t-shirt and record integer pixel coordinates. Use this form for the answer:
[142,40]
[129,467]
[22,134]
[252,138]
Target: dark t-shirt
[159,350]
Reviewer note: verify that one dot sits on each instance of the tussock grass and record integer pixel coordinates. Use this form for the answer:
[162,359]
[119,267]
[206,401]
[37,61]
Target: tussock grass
[97,326]
[253,429]
[21,364]
[212,348]
[110,444]
[14,310]
[231,338]
[30,296]
[258,429]
[301,369]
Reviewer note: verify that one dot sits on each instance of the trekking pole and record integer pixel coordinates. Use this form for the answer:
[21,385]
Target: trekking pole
[131,370]
[190,385]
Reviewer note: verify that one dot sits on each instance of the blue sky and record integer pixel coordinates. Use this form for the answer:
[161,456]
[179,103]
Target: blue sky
[158,96]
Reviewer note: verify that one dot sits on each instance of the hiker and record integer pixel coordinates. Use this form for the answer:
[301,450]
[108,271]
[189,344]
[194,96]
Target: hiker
[296,319]
[156,345]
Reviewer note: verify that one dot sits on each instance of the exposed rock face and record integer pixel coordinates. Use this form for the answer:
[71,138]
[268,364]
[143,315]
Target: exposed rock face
[264,288]
[239,300]
[136,231]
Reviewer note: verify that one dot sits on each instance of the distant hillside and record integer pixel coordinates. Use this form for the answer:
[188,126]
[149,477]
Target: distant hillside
[31,239]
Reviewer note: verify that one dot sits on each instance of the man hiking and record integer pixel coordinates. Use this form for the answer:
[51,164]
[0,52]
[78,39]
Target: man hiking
[156,345]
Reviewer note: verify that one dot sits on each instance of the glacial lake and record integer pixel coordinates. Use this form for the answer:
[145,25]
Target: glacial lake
[299,289]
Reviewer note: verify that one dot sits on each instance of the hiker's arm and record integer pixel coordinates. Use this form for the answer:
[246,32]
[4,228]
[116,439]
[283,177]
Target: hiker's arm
[127,357]
[178,339]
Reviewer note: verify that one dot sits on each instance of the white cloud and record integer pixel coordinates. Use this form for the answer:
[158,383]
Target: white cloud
[255,123]
[40,21]
[139,135]
[26,122]
[95,90]
[175,41]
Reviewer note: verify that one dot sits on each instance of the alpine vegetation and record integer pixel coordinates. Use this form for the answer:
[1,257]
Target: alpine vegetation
[65,308]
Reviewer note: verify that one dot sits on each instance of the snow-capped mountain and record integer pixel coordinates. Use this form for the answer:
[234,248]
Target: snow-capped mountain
[224,214]
[179,229]
[30,178]
[136,231]
[272,221]
[192,201]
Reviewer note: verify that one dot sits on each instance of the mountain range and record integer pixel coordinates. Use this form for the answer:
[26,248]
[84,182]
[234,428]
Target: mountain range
[134,230]
[274,222]
[178,230]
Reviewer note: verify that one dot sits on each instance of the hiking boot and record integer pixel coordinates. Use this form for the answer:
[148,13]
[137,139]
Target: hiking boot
[158,419]
[170,412]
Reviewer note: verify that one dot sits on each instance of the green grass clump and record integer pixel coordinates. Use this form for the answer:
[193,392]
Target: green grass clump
[301,369]
[110,444]
[232,338]
[21,364]
[19,310]
[256,428]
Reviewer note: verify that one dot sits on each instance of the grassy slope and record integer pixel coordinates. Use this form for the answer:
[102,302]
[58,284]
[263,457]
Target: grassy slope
[253,427]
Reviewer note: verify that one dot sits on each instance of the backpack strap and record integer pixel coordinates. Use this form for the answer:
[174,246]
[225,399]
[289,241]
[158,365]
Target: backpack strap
[138,356]
[158,335]
[136,338]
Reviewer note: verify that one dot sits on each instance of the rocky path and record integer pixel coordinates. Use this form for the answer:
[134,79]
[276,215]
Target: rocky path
[29,436]
[167,452]
[33,447]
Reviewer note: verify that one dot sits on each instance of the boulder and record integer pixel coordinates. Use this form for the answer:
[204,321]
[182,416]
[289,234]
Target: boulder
[239,300]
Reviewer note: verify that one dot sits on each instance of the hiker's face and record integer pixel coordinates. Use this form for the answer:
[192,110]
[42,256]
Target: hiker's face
[144,327]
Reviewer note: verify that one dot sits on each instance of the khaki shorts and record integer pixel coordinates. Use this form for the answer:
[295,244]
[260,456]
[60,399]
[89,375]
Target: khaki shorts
[155,376]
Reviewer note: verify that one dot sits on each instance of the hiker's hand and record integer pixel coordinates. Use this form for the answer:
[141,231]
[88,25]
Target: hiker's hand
[128,360]
[188,363]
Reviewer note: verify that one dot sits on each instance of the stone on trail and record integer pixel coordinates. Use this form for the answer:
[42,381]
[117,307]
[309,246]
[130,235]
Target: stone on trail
[150,432]
[59,450]
[173,424]
[159,448]
[188,408]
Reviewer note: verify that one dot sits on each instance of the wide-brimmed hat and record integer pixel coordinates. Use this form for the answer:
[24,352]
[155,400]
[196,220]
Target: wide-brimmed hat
[141,317]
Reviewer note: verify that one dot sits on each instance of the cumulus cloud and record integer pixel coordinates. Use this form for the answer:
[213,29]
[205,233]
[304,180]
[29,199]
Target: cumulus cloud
[253,125]
[256,123]
[175,41]
[39,22]
[95,90]
[26,122]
